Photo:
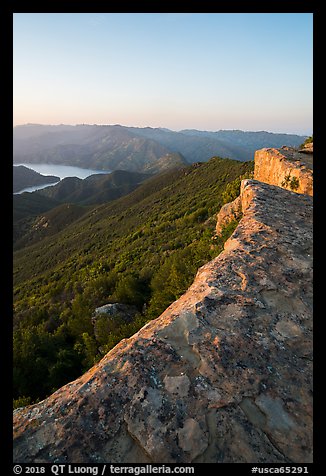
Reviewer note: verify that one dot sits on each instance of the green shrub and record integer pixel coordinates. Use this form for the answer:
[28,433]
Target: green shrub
[21,402]
[232,189]
[290,182]
[307,141]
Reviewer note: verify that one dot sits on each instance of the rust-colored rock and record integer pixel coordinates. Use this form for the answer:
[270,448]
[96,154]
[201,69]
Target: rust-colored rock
[307,148]
[223,375]
[286,167]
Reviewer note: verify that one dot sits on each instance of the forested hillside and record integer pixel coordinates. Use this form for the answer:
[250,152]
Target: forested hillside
[47,211]
[142,249]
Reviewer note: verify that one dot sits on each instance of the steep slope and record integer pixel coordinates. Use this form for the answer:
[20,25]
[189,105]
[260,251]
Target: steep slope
[24,177]
[32,230]
[167,162]
[143,249]
[95,189]
[171,196]
[33,221]
[26,205]
[223,375]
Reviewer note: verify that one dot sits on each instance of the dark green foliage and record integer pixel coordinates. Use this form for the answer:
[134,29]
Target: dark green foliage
[294,183]
[176,274]
[232,189]
[291,182]
[143,249]
[30,205]
[21,402]
[33,229]
[130,290]
[42,361]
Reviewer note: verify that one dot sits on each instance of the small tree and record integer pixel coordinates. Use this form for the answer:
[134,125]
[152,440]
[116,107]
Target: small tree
[307,141]
[290,182]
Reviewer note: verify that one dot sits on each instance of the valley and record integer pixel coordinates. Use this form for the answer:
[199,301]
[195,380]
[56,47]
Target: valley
[131,237]
[143,249]
[177,330]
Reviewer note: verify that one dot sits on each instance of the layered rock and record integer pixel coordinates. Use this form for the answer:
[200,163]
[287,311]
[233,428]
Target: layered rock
[223,375]
[286,168]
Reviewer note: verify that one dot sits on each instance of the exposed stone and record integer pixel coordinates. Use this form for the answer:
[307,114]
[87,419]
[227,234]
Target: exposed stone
[307,148]
[113,309]
[178,385]
[286,168]
[229,212]
[192,439]
[223,375]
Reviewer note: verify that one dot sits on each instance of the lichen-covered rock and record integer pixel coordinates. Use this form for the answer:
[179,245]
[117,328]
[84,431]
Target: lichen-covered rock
[286,167]
[223,375]
[126,311]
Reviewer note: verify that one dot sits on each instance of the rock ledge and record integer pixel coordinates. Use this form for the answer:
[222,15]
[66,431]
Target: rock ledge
[223,375]
[286,168]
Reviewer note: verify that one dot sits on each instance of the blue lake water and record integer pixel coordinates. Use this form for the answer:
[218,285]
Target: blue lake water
[61,171]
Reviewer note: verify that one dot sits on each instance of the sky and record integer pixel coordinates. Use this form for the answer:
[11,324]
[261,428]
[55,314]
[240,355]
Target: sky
[206,71]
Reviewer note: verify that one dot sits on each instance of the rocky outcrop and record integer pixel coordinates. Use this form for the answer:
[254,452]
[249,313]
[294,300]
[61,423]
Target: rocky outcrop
[229,212]
[286,168]
[307,148]
[116,309]
[223,375]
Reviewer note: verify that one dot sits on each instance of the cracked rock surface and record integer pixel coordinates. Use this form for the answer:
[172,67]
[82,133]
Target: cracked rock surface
[224,375]
[280,166]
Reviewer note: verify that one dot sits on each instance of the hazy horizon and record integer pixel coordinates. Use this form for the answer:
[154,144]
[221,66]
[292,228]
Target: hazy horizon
[204,71]
[158,127]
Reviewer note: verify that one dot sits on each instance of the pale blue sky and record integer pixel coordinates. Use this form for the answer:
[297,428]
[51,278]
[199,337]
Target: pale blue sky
[188,70]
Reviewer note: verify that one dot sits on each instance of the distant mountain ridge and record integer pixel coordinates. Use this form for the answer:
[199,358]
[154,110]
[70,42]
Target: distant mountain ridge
[98,147]
[148,150]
